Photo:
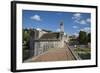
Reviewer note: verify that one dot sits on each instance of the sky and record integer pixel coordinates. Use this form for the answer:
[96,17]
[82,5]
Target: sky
[50,20]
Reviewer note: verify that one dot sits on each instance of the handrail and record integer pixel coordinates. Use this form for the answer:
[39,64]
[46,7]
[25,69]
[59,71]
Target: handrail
[73,53]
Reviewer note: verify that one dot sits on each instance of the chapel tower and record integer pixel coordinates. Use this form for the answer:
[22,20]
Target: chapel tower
[61,30]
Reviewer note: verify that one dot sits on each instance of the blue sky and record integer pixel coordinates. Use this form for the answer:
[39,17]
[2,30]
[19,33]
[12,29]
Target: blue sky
[50,20]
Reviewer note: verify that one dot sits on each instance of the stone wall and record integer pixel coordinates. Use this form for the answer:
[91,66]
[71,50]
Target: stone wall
[44,46]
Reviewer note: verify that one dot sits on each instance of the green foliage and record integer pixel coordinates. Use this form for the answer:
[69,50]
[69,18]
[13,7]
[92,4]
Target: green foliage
[84,38]
[25,54]
[84,53]
[83,50]
[26,37]
[89,37]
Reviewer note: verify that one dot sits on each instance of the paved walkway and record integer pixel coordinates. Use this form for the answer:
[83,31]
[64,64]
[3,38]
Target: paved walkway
[61,54]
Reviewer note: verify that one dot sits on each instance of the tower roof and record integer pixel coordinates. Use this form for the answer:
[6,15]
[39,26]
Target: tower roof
[61,23]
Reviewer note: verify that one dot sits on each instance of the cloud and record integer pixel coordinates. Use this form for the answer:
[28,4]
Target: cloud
[86,29]
[36,18]
[76,34]
[58,30]
[83,22]
[88,20]
[75,27]
[38,29]
[78,18]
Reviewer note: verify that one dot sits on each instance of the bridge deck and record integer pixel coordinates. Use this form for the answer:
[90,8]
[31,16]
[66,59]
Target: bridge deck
[61,54]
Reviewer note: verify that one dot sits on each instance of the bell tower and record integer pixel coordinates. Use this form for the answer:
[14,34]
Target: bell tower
[61,30]
[61,27]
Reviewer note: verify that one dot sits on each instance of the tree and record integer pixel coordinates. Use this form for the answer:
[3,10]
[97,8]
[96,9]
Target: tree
[26,36]
[82,37]
[89,37]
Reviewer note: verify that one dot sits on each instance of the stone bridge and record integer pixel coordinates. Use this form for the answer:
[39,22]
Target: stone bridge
[61,54]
